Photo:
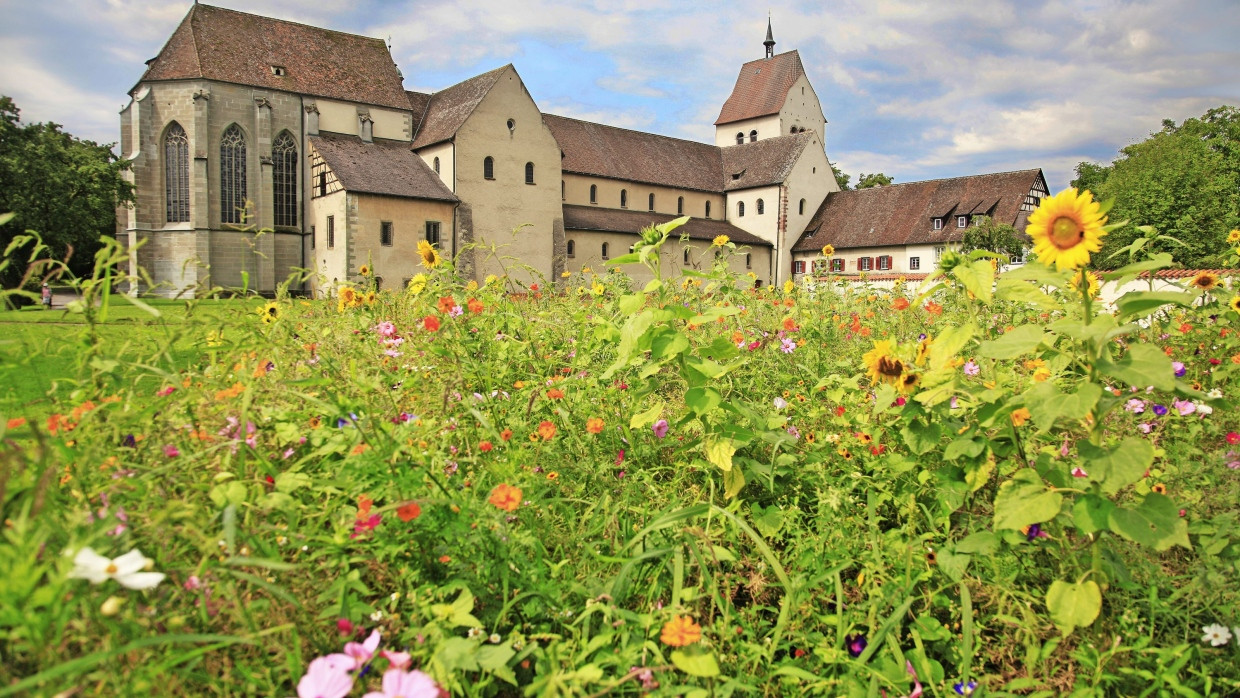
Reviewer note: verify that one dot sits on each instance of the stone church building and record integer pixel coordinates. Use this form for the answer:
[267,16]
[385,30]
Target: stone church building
[265,151]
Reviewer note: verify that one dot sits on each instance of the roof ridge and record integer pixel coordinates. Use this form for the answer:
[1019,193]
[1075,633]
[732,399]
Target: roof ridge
[764,58]
[632,130]
[289,21]
[193,35]
[942,179]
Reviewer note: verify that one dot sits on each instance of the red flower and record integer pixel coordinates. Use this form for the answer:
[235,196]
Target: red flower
[344,626]
[900,303]
[839,411]
[485,446]
[1215,362]
[505,434]
[555,393]
[533,287]
[409,512]
[446,304]
[1233,438]
[431,323]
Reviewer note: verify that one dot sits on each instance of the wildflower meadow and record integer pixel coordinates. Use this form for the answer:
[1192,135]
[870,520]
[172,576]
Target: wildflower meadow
[987,484]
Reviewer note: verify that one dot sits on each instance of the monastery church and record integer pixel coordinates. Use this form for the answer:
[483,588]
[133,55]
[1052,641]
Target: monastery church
[244,124]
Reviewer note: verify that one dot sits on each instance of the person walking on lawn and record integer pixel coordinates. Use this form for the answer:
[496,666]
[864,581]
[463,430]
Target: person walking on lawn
[47,296]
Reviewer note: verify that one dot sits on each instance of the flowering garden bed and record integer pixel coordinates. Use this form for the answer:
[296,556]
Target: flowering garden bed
[980,485]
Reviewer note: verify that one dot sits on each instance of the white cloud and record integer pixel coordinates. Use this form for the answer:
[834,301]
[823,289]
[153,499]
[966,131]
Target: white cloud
[44,96]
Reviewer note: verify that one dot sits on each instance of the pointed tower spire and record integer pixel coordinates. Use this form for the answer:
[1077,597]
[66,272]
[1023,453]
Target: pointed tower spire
[770,39]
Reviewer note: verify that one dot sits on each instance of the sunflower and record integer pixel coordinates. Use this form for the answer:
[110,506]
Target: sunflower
[908,382]
[1205,280]
[923,350]
[1093,282]
[348,298]
[416,284]
[1235,304]
[828,250]
[1233,237]
[719,241]
[1066,228]
[881,365]
[269,313]
[428,253]
[365,270]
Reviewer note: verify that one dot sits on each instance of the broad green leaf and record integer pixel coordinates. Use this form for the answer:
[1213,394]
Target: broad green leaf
[978,473]
[921,438]
[981,542]
[696,663]
[1156,523]
[719,453]
[1092,513]
[492,657]
[1025,500]
[1020,291]
[630,258]
[457,654]
[1046,403]
[652,286]
[733,482]
[1020,340]
[1142,365]
[706,367]
[702,400]
[668,344]
[767,521]
[228,493]
[1073,606]
[1160,260]
[978,277]
[290,481]
[1142,303]
[949,342]
[651,415]
[964,446]
[1117,467]
[630,303]
[953,563]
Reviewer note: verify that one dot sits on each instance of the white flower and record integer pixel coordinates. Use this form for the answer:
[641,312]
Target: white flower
[1215,394]
[126,569]
[376,616]
[1217,635]
[780,403]
[1203,408]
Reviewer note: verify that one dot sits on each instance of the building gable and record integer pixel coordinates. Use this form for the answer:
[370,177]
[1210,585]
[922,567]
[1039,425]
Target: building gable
[448,109]
[761,88]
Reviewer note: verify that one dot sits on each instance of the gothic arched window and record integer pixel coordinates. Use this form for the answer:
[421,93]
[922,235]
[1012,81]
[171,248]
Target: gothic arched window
[594,193]
[801,208]
[176,174]
[651,202]
[284,179]
[680,206]
[708,209]
[740,138]
[436,165]
[605,250]
[740,209]
[232,175]
[761,207]
[488,168]
[529,173]
[572,248]
[624,198]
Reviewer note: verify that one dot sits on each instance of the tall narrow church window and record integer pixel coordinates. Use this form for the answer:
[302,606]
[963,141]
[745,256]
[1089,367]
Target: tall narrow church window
[761,207]
[594,193]
[651,202]
[436,165]
[753,135]
[801,208]
[686,255]
[385,233]
[176,173]
[740,209]
[605,255]
[488,168]
[529,173]
[572,248]
[331,232]
[232,175]
[680,206]
[284,179]
[708,209]
[562,190]
[748,260]
[740,138]
[624,198]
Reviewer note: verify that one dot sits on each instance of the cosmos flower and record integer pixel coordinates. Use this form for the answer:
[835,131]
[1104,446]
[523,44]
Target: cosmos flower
[126,569]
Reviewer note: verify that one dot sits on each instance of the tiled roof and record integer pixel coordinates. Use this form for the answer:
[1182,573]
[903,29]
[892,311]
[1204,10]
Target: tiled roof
[761,87]
[901,214]
[1187,273]
[450,107]
[417,103]
[617,153]
[763,163]
[230,46]
[382,167]
[610,220]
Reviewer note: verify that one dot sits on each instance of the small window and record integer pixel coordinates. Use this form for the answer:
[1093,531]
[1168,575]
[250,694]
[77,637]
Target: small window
[884,263]
[680,206]
[938,253]
[432,232]
[488,167]
[914,263]
[436,165]
[748,260]
[529,173]
[794,130]
[740,209]
[761,207]
[798,267]
[331,232]
[562,190]
[378,283]
[572,248]
[594,193]
[938,223]
[624,198]
[385,233]
[962,221]
[279,71]
[740,138]
[651,206]
[753,136]
[605,254]
[801,208]
[865,264]
[512,125]
[837,264]
[322,185]
[686,255]
[708,209]
[312,237]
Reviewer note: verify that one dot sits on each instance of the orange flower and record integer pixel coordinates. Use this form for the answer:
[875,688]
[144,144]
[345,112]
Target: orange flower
[738,337]
[1020,416]
[789,324]
[446,304]
[475,306]
[505,434]
[546,430]
[445,559]
[900,303]
[315,422]
[360,449]
[16,422]
[230,393]
[594,425]
[485,446]
[933,308]
[680,631]
[506,497]
[409,511]
[82,409]
[555,393]
[430,323]
[363,506]
[553,475]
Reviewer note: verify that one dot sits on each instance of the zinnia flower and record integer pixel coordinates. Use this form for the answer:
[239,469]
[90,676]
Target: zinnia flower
[1020,416]
[680,631]
[1066,228]
[546,430]
[126,569]
[506,497]
[430,323]
[408,512]
[594,425]
[428,253]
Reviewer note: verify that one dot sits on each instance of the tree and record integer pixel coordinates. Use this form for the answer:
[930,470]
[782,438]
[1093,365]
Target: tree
[1090,176]
[65,188]
[878,179]
[993,236]
[841,178]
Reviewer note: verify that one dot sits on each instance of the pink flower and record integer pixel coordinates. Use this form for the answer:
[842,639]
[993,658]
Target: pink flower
[398,660]
[971,368]
[1233,438]
[361,652]
[363,526]
[171,451]
[1078,471]
[1185,407]
[165,392]
[660,428]
[386,328]
[327,677]
[406,684]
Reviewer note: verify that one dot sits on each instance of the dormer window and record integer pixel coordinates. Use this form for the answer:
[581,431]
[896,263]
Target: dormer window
[938,223]
[962,221]
[279,71]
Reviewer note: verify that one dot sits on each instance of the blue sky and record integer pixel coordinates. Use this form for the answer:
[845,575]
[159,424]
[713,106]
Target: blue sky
[917,90]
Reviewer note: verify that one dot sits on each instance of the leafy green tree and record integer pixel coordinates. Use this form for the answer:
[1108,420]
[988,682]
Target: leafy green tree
[1090,176]
[841,178]
[993,236]
[65,188]
[878,179]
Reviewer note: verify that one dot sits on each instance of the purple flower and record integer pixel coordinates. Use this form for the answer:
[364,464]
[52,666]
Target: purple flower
[1145,427]
[787,346]
[456,311]
[794,432]
[971,368]
[954,404]
[1035,531]
[1185,407]
[1135,406]
[1179,369]
[856,644]
[1160,410]
[964,689]
[660,428]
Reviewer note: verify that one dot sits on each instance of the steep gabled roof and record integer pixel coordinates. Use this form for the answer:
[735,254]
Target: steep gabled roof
[229,46]
[450,107]
[417,103]
[612,220]
[618,153]
[902,214]
[382,167]
[762,163]
[761,88]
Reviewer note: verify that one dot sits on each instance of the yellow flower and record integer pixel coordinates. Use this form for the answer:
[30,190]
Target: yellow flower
[597,289]
[1093,282]
[471,286]
[1235,304]
[491,278]
[1020,416]
[428,253]
[1204,280]
[364,270]
[585,270]
[269,313]
[1066,228]
[719,241]
[908,382]
[923,350]
[565,274]
[215,338]
[789,286]
[417,284]
[828,250]
[881,363]
[1233,237]
[1041,374]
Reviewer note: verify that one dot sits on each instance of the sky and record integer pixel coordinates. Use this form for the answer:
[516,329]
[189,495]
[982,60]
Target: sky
[916,90]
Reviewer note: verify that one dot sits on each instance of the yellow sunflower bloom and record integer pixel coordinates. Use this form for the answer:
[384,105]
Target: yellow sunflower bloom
[417,284]
[828,250]
[269,313]
[429,255]
[1235,304]
[719,241]
[1204,281]
[882,365]
[1066,228]
[1093,282]
[1233,237]
[364,270]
